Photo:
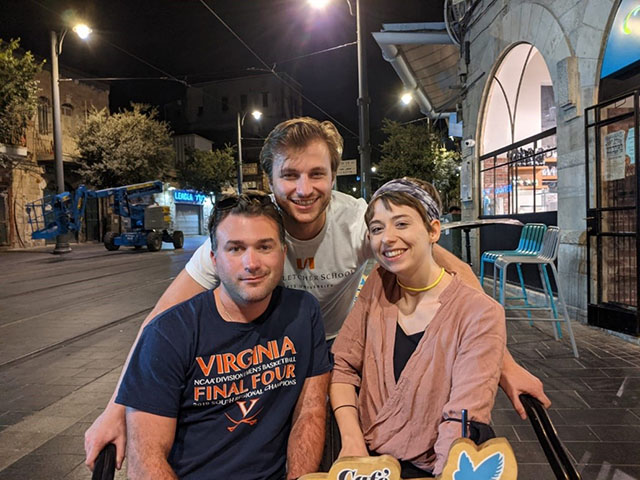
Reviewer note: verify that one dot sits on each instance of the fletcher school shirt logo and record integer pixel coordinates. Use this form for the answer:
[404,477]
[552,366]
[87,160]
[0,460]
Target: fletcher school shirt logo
[249,420]
[302,264]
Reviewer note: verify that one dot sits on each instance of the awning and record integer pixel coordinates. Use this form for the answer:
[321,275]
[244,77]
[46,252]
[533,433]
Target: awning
[426,60]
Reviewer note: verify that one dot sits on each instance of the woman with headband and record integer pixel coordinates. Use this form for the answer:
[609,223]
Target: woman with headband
[419,345]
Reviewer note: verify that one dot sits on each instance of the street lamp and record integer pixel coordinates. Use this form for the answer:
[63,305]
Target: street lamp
[256,114]
[406,98]
[83,31]
[363,98]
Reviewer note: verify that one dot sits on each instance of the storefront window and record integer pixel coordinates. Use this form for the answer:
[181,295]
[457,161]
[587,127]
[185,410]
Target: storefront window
[521,178]
[518,161]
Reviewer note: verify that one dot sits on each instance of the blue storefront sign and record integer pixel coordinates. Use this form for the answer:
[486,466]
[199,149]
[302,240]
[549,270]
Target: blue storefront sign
[499,190]
[189,196]
[623,44]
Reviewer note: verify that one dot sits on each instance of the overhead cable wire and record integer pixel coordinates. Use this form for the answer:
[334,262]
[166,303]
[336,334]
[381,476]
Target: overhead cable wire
[275,64]
[273,71]
[173,77]
[269,68]
[330,49]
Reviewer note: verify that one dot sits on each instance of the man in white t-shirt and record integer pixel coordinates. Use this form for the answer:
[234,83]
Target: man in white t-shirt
[327,253]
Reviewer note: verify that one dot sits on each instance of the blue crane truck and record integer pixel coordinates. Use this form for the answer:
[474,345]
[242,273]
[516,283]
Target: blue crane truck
[146,224]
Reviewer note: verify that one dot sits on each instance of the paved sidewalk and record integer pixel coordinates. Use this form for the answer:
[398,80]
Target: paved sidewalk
[49,400]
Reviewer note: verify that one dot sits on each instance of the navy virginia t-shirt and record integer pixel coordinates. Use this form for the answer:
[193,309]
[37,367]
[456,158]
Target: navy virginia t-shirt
[231,386]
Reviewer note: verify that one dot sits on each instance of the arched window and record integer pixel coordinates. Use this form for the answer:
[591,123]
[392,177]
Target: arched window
[44,110]
[67,109]
[518,161]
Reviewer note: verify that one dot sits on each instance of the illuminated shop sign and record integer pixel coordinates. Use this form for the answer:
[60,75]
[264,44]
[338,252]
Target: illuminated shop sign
[623,44]
[188,196]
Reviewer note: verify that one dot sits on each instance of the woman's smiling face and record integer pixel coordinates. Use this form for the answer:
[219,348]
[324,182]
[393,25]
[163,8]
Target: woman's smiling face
[399,238]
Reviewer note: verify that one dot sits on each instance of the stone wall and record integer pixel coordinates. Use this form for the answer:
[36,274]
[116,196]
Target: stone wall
[82,97]
[570,35]
[27,186]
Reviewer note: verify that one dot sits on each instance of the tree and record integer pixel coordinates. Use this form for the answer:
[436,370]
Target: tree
[417,150]
[18,100]
[208,171]
[131,146]
[18,92]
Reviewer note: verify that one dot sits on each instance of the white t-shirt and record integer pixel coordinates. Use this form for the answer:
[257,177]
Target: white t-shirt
[329,266]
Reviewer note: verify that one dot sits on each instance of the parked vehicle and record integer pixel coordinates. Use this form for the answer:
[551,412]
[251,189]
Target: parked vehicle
[147,224]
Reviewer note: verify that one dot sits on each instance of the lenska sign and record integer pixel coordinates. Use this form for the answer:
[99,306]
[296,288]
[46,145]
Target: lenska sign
[187,196]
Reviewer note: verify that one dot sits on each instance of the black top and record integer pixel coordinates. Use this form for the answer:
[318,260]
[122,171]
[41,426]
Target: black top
[404,348]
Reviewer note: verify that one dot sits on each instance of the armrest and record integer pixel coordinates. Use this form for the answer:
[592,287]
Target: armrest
[548,438]
[105,467]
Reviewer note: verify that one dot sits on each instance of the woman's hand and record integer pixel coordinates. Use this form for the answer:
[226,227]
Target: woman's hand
[515,381]
[353,448]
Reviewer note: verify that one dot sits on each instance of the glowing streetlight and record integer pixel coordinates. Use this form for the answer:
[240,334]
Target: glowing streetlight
[373,169]
[406,98]
[82,30]
[62,245]
[257,115]
[318,3]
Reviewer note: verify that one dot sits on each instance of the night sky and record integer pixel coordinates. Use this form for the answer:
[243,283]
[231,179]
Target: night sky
[183,39]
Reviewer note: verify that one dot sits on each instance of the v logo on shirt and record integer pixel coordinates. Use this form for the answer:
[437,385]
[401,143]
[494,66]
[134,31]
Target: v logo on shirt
[244,409]
[302,264]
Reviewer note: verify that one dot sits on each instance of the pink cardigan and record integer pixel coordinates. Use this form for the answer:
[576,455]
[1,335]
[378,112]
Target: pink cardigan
[456,365]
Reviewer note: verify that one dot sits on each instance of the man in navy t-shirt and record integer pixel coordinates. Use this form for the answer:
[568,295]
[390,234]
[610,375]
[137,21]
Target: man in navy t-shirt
[232,383]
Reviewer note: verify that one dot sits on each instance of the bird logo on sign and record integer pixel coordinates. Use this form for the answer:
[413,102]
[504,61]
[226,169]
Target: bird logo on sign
[490,468]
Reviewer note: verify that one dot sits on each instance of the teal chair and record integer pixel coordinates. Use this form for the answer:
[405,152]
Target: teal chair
[529,244]
[545,258]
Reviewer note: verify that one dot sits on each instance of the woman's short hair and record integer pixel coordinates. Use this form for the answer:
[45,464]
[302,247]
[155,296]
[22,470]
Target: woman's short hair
[402,198]
[296,134]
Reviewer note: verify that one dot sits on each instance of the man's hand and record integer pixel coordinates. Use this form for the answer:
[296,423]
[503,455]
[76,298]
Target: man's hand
[515,381]
[109,427]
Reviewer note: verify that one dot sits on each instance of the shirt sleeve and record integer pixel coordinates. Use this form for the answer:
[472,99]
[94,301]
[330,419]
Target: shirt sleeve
[475,375]
[155,378]
[200,267]
[321,360]
[348,349]
[360,234]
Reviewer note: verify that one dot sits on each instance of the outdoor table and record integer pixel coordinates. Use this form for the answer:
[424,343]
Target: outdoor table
[466,227]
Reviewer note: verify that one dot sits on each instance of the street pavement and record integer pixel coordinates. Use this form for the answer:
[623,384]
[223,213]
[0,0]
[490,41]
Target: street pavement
[67,323]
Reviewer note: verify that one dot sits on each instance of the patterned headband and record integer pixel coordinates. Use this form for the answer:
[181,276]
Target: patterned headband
[410,188]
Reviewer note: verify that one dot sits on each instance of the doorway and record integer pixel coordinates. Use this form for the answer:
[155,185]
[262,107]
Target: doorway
[611,132]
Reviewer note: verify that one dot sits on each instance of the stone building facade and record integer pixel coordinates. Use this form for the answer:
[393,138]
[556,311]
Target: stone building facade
[571,37]
[32,174]
[530,82]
